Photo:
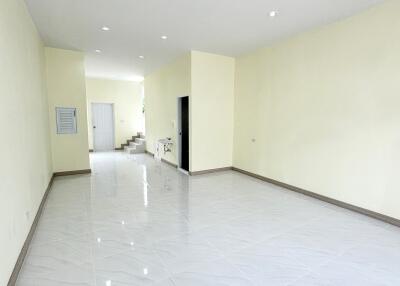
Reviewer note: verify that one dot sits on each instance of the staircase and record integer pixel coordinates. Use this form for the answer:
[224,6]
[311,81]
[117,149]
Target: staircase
[136,145]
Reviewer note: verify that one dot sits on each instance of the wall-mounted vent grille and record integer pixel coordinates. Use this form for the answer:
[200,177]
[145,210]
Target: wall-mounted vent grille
[66,120]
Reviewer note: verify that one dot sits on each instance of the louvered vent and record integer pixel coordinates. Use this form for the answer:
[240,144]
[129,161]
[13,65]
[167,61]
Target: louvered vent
[66,120]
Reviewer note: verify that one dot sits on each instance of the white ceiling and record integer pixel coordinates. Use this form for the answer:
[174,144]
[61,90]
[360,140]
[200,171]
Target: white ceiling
[228,27]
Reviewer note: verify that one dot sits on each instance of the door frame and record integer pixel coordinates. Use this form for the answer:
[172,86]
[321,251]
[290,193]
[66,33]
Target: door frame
[113,123]
[178,130]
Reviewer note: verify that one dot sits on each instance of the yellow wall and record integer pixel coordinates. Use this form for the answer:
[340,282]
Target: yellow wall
[211,111]
[324,110]
[161,91]
[25,164]
[208,79]
[126,98]
[66,88]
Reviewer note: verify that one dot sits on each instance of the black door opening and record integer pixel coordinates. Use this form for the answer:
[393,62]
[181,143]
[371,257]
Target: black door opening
[184,132]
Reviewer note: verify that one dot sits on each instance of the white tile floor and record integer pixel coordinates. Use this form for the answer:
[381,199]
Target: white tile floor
[138,222]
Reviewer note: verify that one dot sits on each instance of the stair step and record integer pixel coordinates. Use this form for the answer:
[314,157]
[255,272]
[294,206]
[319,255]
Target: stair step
[136,152]
[135,145]
[135,149]
[140,140]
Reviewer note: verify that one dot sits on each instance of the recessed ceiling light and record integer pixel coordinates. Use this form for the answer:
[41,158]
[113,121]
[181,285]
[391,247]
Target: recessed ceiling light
[273,13]
[105,28]
[98,51]
[164,37]
[141,57]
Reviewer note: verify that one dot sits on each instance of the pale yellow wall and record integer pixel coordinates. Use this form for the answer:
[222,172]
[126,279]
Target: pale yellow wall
[208,79]
[66,88]
[211,111]
[127,102]
[324,110]
[161,91]
[25,164]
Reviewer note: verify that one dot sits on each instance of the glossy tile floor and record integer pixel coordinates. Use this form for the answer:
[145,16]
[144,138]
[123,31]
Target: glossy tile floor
[135,221]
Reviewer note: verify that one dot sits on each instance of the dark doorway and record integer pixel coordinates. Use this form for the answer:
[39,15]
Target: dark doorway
[184,132]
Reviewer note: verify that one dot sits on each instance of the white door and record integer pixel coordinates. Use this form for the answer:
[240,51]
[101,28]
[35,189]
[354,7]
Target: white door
[103,126]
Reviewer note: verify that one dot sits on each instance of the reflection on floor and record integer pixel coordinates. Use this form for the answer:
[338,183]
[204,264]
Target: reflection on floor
[135,221]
